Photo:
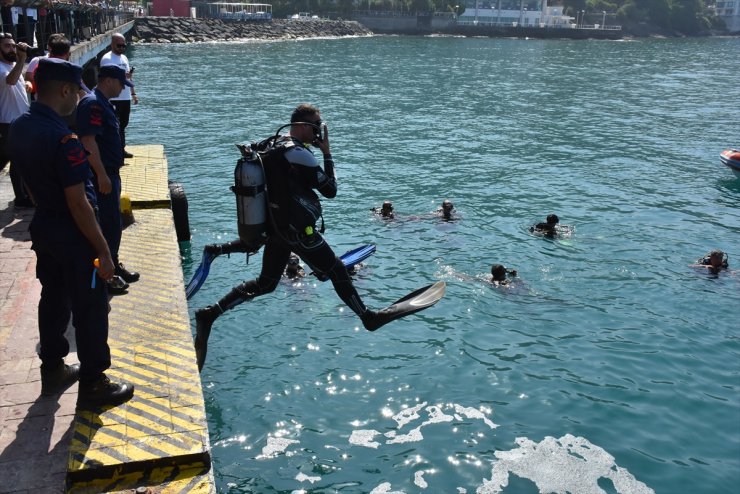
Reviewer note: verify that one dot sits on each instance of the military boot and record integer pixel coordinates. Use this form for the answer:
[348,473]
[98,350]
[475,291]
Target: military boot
[57,378]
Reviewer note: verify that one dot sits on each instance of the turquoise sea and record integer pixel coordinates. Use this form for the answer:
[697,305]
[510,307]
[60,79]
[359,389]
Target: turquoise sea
[611,366]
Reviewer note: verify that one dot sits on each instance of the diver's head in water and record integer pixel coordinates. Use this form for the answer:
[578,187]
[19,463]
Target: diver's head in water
[447,208]
[294,268]
[386,210]
[552,219]
[498,272]
[716,260]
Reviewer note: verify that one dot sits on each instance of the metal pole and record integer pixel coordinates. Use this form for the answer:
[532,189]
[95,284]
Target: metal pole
[521,11]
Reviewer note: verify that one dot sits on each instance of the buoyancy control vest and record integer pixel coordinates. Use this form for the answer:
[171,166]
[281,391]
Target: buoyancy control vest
[267,199]
[293,207]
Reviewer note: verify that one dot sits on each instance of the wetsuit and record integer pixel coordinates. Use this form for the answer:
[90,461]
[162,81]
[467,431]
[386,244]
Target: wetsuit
[547,229]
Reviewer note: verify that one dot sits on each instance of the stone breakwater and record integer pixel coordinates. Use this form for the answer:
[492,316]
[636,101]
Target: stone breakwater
[186,30]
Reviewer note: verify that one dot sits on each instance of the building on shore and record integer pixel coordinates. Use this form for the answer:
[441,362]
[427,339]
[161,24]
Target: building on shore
[171,8]
[233,11]
[729,12]
[527,14]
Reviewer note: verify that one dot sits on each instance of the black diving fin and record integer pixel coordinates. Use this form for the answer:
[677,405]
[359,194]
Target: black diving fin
[413,302]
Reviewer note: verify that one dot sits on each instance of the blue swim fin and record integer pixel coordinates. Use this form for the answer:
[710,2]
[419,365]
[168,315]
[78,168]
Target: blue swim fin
[200,274]
[350,259]
[415,301]
[355,256]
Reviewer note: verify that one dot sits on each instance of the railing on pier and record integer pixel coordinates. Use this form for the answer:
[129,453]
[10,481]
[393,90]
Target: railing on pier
[36,20]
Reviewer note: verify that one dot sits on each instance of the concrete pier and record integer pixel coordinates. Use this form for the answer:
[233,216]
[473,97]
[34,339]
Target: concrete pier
[158,440]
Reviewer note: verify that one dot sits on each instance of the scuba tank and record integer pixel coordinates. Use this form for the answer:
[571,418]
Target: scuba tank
[251,199]
[251,190]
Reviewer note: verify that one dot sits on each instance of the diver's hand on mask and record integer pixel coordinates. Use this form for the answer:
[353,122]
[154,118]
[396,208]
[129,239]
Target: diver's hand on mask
[323,144]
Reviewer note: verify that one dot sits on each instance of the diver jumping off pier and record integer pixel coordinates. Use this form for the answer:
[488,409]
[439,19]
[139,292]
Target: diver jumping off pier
[285,175]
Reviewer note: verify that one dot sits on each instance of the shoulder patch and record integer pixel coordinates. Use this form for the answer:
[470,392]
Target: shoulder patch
[68,137]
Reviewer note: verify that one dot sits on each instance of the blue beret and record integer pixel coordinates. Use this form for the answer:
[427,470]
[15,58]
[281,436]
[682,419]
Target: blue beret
[56,69]
[114,72]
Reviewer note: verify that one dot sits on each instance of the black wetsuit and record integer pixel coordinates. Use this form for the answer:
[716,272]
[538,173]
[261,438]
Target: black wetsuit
[547,229]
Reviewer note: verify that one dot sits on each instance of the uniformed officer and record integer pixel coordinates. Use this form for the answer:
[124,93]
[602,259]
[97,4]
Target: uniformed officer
[97,125]
[67,239]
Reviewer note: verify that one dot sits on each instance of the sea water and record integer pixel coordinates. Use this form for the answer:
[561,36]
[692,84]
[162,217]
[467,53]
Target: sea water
[610,366]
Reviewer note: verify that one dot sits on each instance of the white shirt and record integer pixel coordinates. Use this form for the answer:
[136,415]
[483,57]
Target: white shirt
[13,99]
[34,63]
[111,58]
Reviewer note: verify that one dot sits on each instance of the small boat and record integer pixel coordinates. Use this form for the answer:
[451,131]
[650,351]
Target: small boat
[731,158]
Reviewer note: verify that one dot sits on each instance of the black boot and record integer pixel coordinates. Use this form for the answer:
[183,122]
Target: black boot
[103,392]
[128,276]
[58,378]
[203,321]
[213,250]
[117,286]
[371,320]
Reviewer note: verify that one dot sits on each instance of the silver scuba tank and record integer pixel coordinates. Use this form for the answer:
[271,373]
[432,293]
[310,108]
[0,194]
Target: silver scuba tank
[251,199]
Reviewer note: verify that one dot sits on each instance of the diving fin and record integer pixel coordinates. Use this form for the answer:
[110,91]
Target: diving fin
[413,302]
[355,256]
[350,259]
[200,274]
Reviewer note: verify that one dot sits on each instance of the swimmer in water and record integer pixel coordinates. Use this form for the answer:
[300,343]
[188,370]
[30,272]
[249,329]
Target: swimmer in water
[385,211]
[294,270]
[446,210]
[498,275]
[547,229]
[714,262]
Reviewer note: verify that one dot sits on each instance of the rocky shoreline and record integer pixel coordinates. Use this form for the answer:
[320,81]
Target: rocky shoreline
[186,30]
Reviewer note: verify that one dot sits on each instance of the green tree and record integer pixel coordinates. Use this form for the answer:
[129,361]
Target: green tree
[570,7]
[687,16]
[631,12]
[658,11]
[601,6]
[346,6]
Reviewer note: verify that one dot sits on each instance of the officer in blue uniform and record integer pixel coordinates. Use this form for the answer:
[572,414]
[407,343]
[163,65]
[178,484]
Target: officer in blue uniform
[97,125]
[66,239]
